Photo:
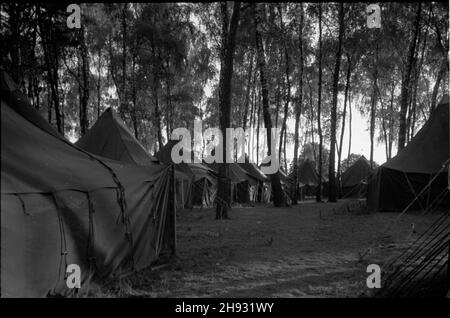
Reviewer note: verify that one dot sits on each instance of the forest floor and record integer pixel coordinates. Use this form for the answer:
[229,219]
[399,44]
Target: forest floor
[308,250]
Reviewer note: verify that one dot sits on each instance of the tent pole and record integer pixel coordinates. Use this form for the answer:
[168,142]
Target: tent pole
[173,209]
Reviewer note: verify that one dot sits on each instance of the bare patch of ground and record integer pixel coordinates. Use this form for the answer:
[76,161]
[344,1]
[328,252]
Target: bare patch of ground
[308,250]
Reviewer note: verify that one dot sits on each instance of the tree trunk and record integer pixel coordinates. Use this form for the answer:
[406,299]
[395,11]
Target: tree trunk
[319,101]
[279,199]
[258,126]
[288,90]
[344,114]
[134,98]
[406,82]
[391,122]
[247,93]
[298,109]
[349,125]
[226,75]
[373,105]
[437,84]
[331,168]
[99,97]
[123,95]
[83,82]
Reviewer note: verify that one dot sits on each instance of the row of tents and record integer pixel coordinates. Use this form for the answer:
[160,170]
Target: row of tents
[195,183]
[108,206]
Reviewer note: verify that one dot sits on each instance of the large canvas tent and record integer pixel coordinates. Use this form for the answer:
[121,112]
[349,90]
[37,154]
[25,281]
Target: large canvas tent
[184,176]
[354,179]
[61,205]
[404,178]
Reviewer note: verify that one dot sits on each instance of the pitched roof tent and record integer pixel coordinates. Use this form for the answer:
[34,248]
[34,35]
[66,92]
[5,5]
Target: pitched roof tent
[429,148]
[111,138]
[252,169]
[357,172]
[398,181]
[307,174]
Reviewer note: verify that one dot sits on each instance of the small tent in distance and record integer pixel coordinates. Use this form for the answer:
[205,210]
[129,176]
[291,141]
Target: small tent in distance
[263,182]
[308,179]
[354,179]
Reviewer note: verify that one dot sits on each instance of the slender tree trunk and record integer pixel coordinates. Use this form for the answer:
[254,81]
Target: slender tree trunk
[405,93]
[247,93]
[437,84]
[349,126]
[280,83]
[51,57]
[344,114]
[288,89]
[226,74]
[99,96]
[123,95]
[134,97]
[252,120]
[83,82]
[331,167]
[391,122]
[258,125]
[373,105]
[279,199]
[298,109]
[311,111]
[319,101]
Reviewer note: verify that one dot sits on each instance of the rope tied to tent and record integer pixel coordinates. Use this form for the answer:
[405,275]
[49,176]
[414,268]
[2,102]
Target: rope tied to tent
[63,243]
[389,226]
[125,220]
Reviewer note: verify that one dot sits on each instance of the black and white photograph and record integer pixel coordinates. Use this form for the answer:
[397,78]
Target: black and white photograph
[225,156]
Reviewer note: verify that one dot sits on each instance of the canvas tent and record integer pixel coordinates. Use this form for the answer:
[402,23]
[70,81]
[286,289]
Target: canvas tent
[204,187]
[308,179]
[111,138]
[284,180]
[242,184]
[354,179]
[257,191]
[184,176]
[401,179]
[61,205]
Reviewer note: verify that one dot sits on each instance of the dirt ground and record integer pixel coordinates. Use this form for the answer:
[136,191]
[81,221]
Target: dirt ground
[309,250]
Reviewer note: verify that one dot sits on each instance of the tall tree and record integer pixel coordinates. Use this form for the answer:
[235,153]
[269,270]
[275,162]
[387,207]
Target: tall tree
[344,115]
[319,106]
[298,109]
[229,29]
[405,89]
[84,76]
[331,167]
[279,198]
